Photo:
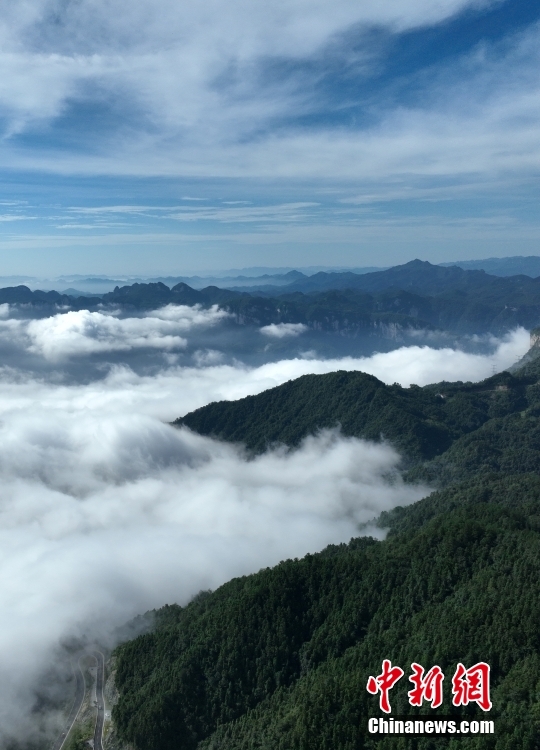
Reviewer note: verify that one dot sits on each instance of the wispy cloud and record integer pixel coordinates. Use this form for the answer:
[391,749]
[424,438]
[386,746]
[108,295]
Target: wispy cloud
[280,213]
[100,210]
[15,217]
[234,109]
[283,330]
[248,111]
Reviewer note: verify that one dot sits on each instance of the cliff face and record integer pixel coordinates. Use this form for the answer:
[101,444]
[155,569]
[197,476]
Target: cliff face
[531,355]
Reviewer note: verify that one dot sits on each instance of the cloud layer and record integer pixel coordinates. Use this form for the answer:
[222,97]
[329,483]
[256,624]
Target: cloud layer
[77,334]
[107,511]
[103,517]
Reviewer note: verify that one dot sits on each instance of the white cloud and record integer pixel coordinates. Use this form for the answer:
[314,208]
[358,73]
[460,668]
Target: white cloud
[215,117]
[79,333]
[283,330]
[104,516]
[83,332]
[206,357]
[286,212]
[106,510]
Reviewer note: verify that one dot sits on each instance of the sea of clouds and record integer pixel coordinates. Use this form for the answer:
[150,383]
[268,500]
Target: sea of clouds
[106,510]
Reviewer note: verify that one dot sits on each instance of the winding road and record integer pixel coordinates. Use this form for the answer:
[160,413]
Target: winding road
[100,682]
[80,690]
[75,708]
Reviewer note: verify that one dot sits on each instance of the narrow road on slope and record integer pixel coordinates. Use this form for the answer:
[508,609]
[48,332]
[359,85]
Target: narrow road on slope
[75,708]
[100,682]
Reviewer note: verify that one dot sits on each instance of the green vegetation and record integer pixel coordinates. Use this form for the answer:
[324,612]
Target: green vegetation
[279,660]
[79,736]
[422,422]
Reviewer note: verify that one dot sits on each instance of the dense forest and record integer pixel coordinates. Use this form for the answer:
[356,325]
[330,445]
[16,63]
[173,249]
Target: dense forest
[279,660]
[422,422]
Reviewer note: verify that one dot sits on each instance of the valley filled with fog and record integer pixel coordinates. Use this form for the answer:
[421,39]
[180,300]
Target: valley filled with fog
[107,511]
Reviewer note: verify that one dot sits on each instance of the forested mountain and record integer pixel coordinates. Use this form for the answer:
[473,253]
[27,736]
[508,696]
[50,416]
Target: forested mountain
[462,427]
[417,295]
[422,422]
[279,660]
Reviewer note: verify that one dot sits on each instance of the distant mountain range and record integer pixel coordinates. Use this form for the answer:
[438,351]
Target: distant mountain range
[514,266]
[416,295]
[417,276]
[332,279]
[259,279]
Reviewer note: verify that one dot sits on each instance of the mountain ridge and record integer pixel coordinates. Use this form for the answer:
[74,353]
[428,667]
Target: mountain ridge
[280,659]
[429,298]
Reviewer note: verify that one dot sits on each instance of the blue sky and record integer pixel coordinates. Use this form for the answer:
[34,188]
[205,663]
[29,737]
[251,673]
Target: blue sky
[168,137]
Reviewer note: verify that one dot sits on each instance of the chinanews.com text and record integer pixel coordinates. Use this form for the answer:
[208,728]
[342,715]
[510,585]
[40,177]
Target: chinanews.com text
[424,725]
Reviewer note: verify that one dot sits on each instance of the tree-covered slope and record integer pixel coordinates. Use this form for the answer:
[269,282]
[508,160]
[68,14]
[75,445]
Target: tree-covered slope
[421,422]
[280,659]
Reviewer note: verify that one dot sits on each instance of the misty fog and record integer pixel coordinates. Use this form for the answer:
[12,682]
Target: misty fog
[107,511]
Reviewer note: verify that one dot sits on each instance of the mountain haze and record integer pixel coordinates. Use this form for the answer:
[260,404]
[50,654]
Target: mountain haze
[417,296]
